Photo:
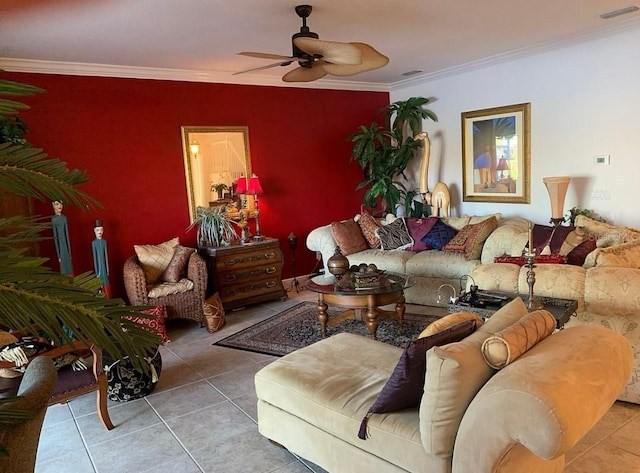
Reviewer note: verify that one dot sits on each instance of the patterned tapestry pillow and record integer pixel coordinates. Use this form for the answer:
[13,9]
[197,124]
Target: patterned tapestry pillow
[368,225]
[177,268]
[154,324]
[439,235]
[470,239]
[418,228]
[213,311]
[154,259]
[348,237]
[394,236]
[405,386]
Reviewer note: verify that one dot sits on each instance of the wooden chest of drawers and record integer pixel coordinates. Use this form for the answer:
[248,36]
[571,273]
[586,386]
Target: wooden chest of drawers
[247,274]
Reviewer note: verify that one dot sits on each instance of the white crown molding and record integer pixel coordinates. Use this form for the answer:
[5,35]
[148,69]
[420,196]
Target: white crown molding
[102,70]
[571,40]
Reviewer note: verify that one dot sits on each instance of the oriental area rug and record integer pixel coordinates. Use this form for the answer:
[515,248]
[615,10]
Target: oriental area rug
[298,327]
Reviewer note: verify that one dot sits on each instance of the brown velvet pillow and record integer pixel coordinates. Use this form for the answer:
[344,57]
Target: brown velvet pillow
[348,237]
[177,268]
[405,387]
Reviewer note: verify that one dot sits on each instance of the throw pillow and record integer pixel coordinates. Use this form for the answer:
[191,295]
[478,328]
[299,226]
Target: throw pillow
[404,388]
[606,235]
[626,255]
[155,323]
[449,320]
[177,268]
[213,311]
[394,236]
[548,240]
[368,225]
[168,288]
[470,239]
[579,254]
[439,235]
[348,237]
[418,228]
[508,344]
[154,259]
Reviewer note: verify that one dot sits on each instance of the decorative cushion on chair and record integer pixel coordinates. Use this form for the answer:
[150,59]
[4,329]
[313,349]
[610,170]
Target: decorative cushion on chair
[155,324]
[177,268]
[167,288]
[126,383]
[154,259]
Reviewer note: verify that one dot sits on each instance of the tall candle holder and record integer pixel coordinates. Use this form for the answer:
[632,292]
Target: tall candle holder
[530,260]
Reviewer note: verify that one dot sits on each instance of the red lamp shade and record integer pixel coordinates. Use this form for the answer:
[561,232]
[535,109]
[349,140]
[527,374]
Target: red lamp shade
[241,185]
[254,186]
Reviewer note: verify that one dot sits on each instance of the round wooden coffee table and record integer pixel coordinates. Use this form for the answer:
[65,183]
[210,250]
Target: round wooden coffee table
[361,304]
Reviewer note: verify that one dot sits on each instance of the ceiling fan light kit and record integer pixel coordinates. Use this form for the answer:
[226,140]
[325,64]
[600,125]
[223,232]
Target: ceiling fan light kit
[316,58]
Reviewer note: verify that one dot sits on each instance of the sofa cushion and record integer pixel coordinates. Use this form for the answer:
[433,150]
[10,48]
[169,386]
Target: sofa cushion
[470,238]
[449,320]
[368,225]
[508,344]
[405,386]
[626,255]
[154,259]
[455,373]
[439,235]
[439,264]
[418,228]
[394,236]
[394,261]
[605,234]
[348,237]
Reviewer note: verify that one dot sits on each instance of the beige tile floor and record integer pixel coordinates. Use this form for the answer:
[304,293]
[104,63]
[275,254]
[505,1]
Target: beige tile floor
[201,418]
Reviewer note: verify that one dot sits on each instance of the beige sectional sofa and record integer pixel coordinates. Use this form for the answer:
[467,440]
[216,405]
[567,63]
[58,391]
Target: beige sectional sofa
[607,286]
[312,402]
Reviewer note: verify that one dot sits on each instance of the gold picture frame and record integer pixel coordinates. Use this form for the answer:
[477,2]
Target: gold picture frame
[496,154]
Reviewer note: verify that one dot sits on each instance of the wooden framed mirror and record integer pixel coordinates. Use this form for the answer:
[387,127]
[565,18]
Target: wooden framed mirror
[214,158]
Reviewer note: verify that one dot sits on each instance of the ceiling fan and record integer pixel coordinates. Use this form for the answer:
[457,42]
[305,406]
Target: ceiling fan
[317,58]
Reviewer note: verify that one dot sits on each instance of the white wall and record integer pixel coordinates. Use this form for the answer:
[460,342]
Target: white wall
[585,101]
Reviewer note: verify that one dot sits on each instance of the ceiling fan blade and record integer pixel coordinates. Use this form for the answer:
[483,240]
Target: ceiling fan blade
[268,66]
[266,55]
[371,59]
[305,74]
[331,51]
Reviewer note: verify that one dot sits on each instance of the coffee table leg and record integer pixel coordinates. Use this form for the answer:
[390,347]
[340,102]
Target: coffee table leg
[371,316]
[322,315]
[400,309]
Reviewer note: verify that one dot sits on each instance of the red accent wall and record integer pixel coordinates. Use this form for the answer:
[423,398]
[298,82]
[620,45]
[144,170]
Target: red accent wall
[126,134]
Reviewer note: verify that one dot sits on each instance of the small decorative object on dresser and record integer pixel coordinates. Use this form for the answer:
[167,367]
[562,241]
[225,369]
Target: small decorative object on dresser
[247,273]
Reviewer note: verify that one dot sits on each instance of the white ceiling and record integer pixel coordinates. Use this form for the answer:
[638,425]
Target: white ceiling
[191,39]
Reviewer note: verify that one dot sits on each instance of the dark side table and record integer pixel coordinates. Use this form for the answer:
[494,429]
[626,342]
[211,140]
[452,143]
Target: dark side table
[561,309]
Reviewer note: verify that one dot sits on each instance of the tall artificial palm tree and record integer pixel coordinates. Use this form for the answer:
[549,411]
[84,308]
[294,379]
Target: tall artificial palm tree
[32,294]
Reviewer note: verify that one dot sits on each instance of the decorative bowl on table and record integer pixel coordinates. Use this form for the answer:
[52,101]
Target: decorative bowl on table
[365,276]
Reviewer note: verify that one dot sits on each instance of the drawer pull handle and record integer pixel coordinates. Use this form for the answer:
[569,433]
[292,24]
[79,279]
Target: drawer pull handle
[269,255]
[231,277]
[230,262]
[270,270]
[270,284]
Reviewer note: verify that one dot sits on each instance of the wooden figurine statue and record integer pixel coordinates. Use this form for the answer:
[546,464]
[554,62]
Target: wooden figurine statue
[61,238]
[440,198]
[101,258]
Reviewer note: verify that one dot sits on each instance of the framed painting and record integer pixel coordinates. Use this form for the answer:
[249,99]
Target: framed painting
[496,154]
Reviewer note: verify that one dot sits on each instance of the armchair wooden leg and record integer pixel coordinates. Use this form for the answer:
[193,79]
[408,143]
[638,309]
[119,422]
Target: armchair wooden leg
[101,402]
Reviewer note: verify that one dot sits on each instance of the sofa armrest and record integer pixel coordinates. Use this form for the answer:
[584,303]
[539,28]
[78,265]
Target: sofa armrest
[135,283]
[321,239]
[534,410]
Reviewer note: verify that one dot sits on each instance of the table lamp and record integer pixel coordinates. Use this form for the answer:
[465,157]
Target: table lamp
[255,189]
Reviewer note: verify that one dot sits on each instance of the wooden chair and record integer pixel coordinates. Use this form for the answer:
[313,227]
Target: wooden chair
[21,440]
[70,383]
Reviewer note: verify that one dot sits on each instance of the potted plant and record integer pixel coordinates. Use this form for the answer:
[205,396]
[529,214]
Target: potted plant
[214,228]
[384,152]
[219,188]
